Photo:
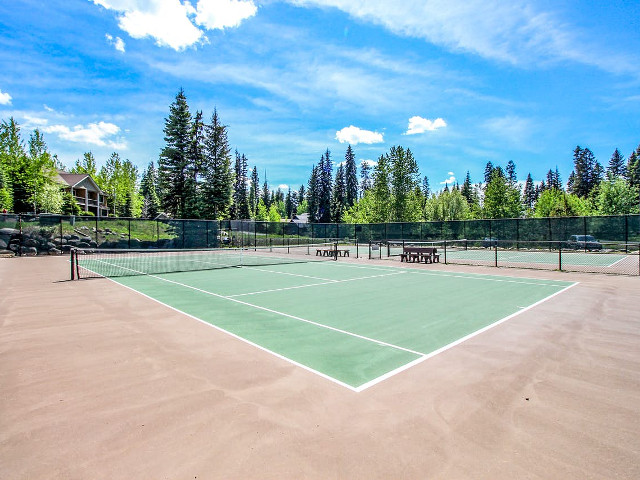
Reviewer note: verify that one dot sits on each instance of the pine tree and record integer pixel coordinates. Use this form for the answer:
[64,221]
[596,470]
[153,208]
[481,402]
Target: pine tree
[350,178]
[289,204]
[266,193]
[325,170]
[467,189]
[587,172]
[381,191]
[511,172]
[426,191]
[617,167]
[216,170]
[529,194]
[338,199]
[488,170]
[240,208]
[404,181]
[196,159]
[254,188]
[173,164]
[150,200]
[365,176]
[312,195]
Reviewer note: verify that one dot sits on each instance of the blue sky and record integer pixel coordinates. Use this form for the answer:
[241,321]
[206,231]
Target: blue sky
[460,83]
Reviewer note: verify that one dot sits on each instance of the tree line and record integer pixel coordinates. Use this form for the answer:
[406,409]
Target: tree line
[197,176]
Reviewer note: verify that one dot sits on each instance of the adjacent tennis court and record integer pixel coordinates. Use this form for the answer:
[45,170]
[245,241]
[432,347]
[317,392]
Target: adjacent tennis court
[352,323]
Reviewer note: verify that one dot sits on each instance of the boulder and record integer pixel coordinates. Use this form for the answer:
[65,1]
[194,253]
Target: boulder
[9,231]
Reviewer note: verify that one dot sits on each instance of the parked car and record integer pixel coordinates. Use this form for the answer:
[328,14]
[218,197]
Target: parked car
[488,242]
[583,242]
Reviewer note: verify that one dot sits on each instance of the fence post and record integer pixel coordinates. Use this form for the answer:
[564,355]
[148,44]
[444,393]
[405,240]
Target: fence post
[560,256]
[445,252]
[129,241]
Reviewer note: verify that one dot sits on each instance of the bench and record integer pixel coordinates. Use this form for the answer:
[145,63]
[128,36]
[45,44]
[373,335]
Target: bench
[420,254]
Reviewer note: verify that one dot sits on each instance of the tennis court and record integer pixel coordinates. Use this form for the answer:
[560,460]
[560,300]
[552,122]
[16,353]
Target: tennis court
[354,324]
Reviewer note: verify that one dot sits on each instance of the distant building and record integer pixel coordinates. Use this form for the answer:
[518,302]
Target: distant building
[300,218]
[86,192]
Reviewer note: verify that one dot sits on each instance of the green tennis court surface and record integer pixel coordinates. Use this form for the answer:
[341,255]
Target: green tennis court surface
[353,324]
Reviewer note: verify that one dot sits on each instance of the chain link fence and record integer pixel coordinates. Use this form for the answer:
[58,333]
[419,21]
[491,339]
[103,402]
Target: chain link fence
[532,239]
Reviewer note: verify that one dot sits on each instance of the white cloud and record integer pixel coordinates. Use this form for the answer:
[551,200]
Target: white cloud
[5,98]
[516,32]
[174,24]
[117,42]
[283,186]
[94,133]
[355,135]
[220,14]
[421,125]
[449,181]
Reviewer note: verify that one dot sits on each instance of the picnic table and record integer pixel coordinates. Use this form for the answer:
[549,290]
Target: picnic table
[330,252]
[420,254]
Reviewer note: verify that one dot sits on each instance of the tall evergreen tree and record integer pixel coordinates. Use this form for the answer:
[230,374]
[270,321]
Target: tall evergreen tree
[616,167]
[148,190]
[312,195]
[404,181]
[488,170]
[266,193]
[196,160]
[587,172]
[217,173]
[173,164]
[365,176]
[426,190]
[240,209]
[339,197]
[467,189]
[511,172]
[325,174]
[254,192]
[381,191]
[288,204]
[350,178]
[529,194]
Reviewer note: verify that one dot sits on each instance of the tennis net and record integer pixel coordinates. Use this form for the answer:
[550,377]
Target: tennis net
[97,262]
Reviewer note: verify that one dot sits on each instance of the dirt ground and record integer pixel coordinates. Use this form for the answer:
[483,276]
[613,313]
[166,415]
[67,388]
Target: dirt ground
[98,382]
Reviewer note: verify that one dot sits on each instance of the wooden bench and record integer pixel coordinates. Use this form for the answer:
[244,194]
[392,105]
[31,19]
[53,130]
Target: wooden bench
[420,254]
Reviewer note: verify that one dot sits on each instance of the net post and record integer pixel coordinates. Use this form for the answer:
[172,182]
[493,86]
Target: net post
[560,256]
[288,241]
[369,249]
[71,260]
[495,249]
[357,246]
[271,244]
[445,251]
[335,251]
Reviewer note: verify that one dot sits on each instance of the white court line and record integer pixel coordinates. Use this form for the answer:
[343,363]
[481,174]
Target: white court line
[314,284]
[469,276]
[292,274]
